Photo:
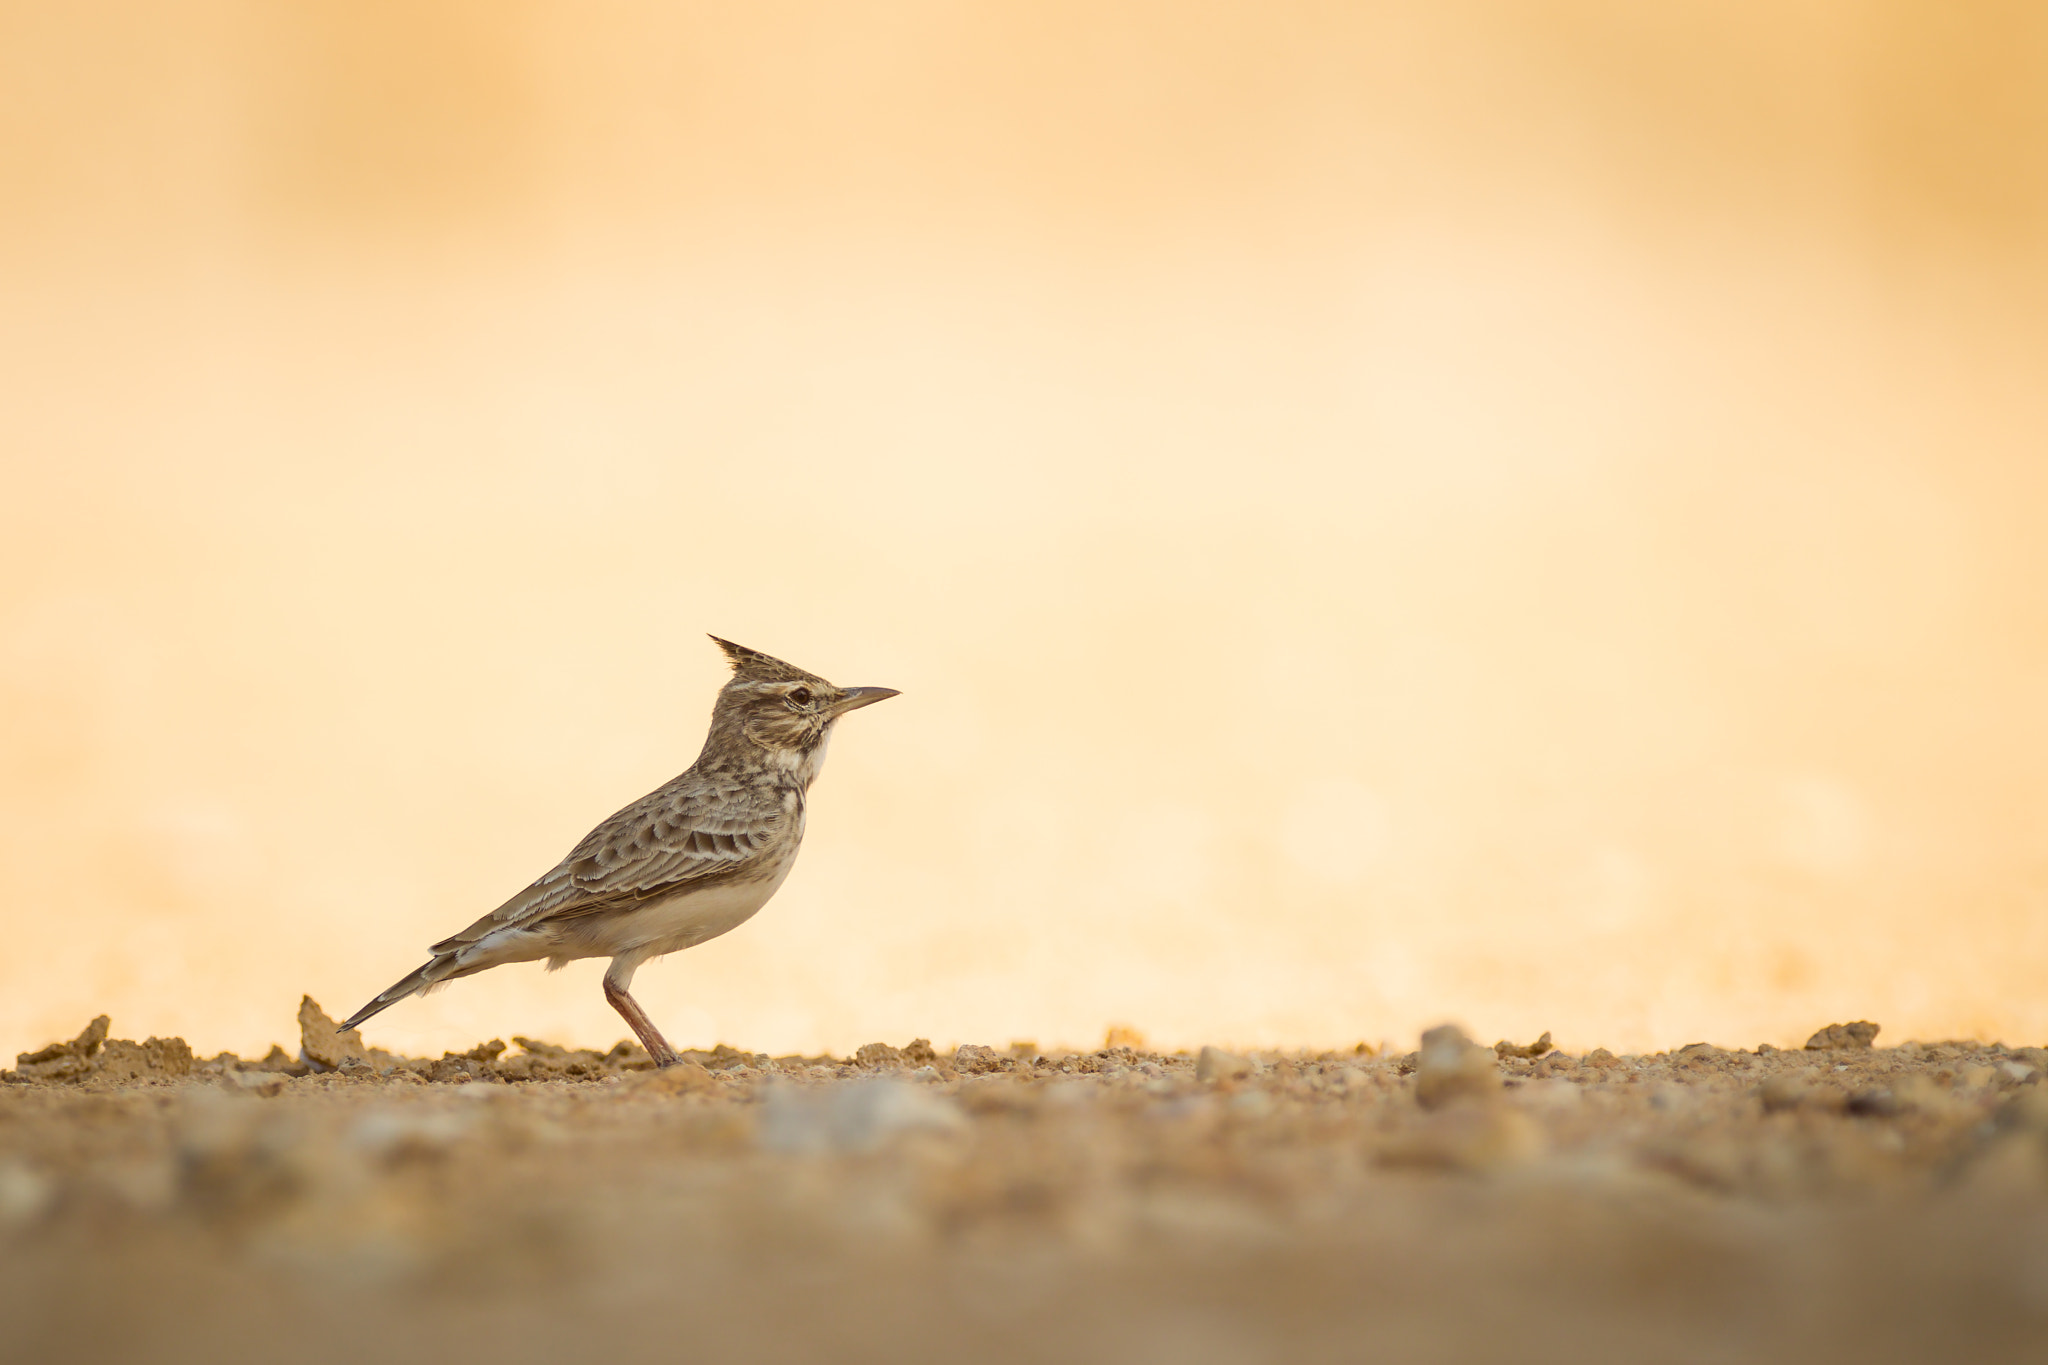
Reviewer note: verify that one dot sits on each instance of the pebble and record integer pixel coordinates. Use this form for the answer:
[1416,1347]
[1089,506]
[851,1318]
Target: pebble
[1856,1037]
[973,1059]
[1451,1067]
[322,1043]
[1535,1049]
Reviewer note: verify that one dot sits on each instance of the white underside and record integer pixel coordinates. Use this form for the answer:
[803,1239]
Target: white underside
[631,937]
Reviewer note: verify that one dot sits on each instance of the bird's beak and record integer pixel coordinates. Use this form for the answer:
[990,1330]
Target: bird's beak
[856,697]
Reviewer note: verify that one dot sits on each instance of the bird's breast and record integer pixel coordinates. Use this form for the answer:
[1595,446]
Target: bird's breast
[696,915]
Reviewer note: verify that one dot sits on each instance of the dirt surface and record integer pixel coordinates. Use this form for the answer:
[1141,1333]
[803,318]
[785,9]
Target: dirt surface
[526,1202]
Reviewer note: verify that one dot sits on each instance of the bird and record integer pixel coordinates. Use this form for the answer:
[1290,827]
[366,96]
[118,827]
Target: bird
[693,859]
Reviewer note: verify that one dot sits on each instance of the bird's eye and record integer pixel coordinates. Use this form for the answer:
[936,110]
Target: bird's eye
[801,697]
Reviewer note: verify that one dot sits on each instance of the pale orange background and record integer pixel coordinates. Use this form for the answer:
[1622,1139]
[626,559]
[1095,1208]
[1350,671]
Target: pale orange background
[1530,514]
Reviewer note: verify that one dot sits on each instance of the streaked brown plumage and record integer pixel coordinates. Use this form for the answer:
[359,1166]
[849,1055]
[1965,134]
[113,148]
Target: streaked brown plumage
[692,859]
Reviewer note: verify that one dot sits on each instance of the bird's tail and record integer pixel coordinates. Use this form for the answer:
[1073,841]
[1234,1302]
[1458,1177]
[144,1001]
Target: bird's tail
[425,978]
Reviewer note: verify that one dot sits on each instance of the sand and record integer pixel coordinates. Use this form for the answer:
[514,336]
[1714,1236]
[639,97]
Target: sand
[524,1202]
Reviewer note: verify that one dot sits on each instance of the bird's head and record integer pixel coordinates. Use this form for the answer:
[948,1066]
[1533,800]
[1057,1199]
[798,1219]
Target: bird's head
[781,710]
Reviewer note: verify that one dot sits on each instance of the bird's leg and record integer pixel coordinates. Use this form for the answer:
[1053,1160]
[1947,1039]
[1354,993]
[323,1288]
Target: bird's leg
[636,1018]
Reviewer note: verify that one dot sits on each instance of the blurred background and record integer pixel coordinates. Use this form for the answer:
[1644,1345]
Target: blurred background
[1379,513]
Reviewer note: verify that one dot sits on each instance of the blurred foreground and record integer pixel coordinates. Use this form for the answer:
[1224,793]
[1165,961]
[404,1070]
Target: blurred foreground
[536,1203]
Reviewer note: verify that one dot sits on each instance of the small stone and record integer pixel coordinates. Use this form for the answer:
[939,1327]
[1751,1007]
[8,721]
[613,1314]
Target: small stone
[322,1043]
[62,1061]
[1214,1064]
[451,1070]
[1450,1066]
[1123,1035]
[972,1059]
[1844,1037]
[877,1055]
[84,1045]
[277,1059]
[122,1060]
[542,1059]
[1535,1049]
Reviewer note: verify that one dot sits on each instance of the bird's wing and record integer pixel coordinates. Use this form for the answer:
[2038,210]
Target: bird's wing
[690,831]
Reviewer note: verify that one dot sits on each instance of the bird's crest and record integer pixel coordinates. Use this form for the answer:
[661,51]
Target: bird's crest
[754,666]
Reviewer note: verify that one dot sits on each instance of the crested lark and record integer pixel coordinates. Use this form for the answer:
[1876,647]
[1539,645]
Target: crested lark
[687,862]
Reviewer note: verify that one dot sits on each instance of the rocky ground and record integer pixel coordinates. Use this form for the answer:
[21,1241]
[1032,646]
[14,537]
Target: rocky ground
[530,1202]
